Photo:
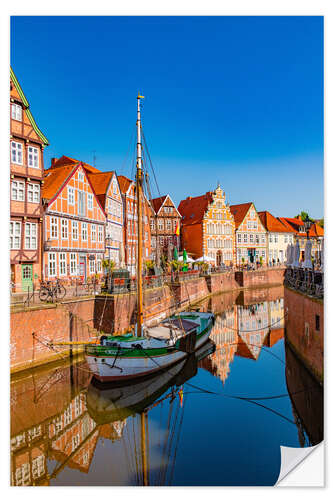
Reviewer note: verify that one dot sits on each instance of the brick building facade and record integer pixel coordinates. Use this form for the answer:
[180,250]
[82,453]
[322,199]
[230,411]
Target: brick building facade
[164,226]
[26,173]
[208,227]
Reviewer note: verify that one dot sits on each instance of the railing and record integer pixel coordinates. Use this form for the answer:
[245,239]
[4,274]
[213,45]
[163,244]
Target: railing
[75,287]
[307,281]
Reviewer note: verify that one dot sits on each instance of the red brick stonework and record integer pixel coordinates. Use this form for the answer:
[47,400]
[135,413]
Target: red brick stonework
[32,329]
[303,334]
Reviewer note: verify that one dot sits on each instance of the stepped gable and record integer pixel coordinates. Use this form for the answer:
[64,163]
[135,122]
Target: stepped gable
[239,212]
[193,210]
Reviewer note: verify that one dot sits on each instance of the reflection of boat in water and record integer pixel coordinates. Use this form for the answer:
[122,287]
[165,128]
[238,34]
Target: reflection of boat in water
[109,403]
[307,399]
[116,401]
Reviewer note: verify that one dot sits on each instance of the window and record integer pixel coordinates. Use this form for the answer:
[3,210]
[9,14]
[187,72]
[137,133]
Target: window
[17,190]
[239,238]
[75,230]
[17,152]
[92,266]
[100,233]
[153,242]
[276,238]
[73,267]
[317,322]
[81,203]
[245,238]
[251,238]
[252,214]
[93,232]
[84,229]
[15,235]
[152,224]
[263,253]
[249,224]
[64,229]
[160,224]
[33,193]
[271,238]
[81,176]
[33,157]
[90,201]
[263,238]
[168,224]
[62,264]
[54,227]
[16,112]
[30,234]
[71,195]
[286,238]
[99,265]
[52,264]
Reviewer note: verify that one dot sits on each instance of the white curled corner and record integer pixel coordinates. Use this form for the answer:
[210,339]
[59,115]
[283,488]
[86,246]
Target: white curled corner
[291,458]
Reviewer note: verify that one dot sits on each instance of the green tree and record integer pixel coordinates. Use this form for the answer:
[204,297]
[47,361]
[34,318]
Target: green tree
[304,216]
[321,222]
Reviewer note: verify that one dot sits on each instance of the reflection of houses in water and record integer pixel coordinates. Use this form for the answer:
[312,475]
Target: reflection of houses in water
[276,320]
[72,437]
[50,421]
[253,325]
[224,336]
[113,430]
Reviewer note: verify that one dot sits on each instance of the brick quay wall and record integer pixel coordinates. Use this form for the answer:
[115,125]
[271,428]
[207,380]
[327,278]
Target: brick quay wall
[304,329]
[81,319]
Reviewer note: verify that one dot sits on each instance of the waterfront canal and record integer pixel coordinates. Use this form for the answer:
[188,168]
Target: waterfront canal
[219,419]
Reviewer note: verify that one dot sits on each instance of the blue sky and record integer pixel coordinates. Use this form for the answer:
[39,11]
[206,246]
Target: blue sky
[232,99]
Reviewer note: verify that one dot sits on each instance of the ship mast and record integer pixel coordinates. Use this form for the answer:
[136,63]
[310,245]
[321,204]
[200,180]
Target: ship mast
[139,197]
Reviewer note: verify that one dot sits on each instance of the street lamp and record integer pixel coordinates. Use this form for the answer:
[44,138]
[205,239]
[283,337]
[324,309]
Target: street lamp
[307,225]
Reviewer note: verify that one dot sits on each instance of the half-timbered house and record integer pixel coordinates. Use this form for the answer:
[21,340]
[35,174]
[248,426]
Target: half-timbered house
[74,222]
[26,171]
[127,188]
[164,225]
[107,190]
[251,237]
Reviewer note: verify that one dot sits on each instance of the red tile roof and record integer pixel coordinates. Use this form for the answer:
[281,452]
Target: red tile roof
[239,212]
[124,183]
[316,230]
[193,210]
[66,160]
[158,202]
[54,180]
[273,224]
[100,181]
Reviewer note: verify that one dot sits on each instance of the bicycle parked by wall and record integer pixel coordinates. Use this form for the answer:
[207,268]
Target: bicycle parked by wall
[52,291]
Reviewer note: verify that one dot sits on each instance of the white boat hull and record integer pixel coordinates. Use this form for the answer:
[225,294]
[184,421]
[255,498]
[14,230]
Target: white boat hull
[112,369]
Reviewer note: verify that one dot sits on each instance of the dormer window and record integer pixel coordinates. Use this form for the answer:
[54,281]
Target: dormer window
[16,112]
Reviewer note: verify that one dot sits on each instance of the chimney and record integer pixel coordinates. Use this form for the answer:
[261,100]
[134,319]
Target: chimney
[53,161]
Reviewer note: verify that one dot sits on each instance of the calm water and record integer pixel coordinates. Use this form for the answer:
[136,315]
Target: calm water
[218,420]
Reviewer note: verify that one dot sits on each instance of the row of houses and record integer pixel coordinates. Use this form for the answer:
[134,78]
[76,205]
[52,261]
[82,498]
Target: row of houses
[68,219]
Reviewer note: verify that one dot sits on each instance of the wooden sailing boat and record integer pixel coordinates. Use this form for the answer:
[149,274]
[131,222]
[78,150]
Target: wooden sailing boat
[151,349]
[116,402]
